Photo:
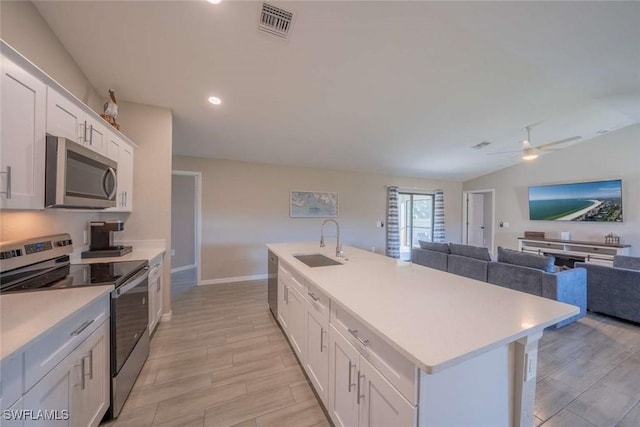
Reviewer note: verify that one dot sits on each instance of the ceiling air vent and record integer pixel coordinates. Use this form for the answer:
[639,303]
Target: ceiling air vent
[276,21]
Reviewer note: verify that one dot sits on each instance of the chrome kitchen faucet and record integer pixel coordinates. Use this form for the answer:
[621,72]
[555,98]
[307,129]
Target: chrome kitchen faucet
[338,245]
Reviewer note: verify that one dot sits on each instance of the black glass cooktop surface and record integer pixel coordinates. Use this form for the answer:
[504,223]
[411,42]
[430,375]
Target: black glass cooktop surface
[73,275]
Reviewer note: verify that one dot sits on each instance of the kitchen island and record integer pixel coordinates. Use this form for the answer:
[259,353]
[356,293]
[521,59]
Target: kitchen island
[408,345]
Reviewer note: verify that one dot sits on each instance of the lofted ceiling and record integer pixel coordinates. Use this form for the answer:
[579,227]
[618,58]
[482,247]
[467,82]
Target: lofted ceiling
[403,88]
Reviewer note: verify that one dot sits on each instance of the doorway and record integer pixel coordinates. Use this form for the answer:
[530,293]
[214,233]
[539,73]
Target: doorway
[478,218]
[186,201]
[415,217]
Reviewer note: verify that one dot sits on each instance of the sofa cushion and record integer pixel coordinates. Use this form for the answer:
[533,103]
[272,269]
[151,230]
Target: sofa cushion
[541,262]
[524,279]
[433,246]
[431,259]
[468,267]
[629,262]
[470,251]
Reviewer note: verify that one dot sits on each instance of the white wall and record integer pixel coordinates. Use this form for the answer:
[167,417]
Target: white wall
[22,26]
[245,205]
[611,156]
[150,128]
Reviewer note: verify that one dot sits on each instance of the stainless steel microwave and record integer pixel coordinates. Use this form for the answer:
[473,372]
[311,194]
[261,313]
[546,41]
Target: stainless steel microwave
[77,177]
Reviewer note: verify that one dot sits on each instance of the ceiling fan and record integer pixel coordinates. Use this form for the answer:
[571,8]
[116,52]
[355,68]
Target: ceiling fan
[531,152]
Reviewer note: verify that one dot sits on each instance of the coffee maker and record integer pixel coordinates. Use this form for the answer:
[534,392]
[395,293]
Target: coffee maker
[101,244]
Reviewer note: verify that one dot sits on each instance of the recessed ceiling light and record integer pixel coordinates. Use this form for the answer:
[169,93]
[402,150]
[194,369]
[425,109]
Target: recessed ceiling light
[215,100]
[214,1]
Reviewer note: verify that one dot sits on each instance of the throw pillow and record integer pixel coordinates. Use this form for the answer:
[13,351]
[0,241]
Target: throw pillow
[540,262]
[470,251]
[432,246]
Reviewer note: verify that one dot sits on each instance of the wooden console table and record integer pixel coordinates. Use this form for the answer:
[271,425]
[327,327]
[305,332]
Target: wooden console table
[591,252]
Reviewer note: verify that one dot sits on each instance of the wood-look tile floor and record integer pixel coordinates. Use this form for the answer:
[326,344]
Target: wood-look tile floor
[223,361]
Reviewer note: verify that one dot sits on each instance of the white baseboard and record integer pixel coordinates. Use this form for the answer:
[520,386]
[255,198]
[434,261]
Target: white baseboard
[166,316]
[233,279]
[183,268]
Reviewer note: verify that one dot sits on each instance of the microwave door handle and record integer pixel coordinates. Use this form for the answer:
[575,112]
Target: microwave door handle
[112,193]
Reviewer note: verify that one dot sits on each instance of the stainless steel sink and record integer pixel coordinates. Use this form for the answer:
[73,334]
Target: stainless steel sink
[317,260]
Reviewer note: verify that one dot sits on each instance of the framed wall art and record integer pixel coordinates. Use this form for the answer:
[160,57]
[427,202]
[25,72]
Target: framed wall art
[313,204]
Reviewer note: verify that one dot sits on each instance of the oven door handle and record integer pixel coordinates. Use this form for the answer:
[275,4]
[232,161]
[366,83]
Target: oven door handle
[132,283]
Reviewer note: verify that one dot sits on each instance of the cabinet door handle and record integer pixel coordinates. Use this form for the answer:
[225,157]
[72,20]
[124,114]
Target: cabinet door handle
[158,285]
[354,332]
[8,190]
[313,296]
[322,331]
[82,327]
[360,376]
[91,135]
[82,374]
[84,132]
[349,384]
[91,365]
[286,294]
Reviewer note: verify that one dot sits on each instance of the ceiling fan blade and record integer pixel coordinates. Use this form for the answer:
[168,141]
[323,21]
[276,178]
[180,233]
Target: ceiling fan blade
[505,152]
[562,141]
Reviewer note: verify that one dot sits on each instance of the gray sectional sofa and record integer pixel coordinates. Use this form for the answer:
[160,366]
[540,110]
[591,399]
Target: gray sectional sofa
[534,274]
[614,291]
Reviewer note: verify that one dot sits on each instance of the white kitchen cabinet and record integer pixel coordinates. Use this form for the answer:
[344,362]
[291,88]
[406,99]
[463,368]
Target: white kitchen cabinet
[97,134]
[381,405]
[77,388]
[22,138]
[94,360]
[296,309]
[155,291]
[64,117]
[343,374]
[283,312]
[359,395]
[122,154]
[317,347]
[56,392]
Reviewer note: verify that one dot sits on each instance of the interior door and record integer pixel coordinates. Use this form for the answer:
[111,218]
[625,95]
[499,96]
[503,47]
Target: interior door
[475,219]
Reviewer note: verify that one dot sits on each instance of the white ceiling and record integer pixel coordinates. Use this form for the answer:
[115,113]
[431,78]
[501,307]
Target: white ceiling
[402,88]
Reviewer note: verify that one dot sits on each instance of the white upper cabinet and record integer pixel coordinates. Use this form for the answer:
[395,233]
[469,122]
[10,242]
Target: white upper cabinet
[22,138]
[121,153]
[34,105]
[97,134]
[64,118]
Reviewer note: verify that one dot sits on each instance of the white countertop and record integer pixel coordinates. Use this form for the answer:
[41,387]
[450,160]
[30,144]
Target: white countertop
[136,255]
[25,316]
[435,319]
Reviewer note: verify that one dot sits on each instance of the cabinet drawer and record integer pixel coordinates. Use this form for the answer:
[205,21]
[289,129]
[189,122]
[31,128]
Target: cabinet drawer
[292,277]
[46,352]
[10,380]
[397,369]
[317,299]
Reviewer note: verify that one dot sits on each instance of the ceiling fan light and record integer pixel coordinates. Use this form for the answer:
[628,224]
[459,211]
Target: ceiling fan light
[530,155]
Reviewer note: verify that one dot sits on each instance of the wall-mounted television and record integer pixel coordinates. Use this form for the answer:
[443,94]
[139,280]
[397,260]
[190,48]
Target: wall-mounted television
[582,201]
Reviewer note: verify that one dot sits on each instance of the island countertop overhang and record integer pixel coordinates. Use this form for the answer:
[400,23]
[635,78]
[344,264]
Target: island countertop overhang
[435,319]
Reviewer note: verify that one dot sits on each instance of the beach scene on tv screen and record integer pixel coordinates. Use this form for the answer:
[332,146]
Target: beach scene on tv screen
[584,201]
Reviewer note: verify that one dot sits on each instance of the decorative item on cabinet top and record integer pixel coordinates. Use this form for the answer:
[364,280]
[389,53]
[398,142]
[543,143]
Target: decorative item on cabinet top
[111,110]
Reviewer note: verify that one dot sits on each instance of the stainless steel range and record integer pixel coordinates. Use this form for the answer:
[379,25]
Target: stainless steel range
[43,263]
